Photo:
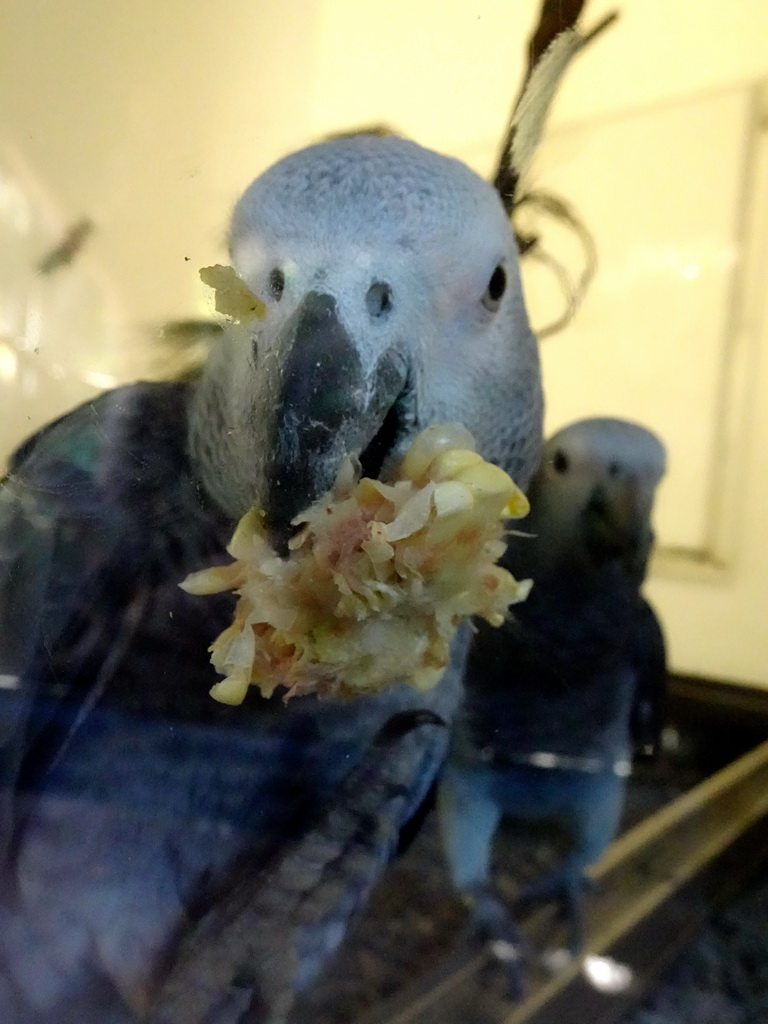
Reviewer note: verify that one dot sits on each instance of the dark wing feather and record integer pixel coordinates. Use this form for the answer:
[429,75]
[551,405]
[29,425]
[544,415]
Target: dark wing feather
[139,800]
[236,959]
[51,541]
[649,658]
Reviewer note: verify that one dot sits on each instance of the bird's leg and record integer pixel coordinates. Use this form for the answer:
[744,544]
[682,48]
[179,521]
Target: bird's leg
[542,890]
[572,911]
[469,816]
[569,892]
[493,924]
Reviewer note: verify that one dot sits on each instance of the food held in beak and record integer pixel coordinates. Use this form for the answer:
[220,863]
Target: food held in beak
[378,578]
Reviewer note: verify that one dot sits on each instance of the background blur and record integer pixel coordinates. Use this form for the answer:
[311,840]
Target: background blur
[128,130]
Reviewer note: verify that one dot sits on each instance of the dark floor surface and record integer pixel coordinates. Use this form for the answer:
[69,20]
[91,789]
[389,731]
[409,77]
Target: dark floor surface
[722,978]
[414,921]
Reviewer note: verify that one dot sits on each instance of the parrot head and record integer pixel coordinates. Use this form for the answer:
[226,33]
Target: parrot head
[390,279]
[593,492]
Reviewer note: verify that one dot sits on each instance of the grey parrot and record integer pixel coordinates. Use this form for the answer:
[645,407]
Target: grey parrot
[166,858]
[555,698]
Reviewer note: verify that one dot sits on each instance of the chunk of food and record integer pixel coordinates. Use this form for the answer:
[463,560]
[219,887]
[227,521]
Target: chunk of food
[232,297]
[378,578]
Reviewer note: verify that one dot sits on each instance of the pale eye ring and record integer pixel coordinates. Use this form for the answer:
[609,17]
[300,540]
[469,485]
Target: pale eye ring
[494,292]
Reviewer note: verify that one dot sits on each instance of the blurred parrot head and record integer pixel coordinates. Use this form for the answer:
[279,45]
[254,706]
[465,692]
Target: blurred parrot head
[592,495]
[391,283]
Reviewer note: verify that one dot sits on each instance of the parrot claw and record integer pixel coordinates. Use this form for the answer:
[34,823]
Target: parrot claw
[493,925]
[510,958]
[556,960]
[570,895]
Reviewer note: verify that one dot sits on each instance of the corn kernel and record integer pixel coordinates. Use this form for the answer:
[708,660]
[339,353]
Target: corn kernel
[428,444]
[485,478]
[517,507]
[451,496]
[214,580]
[231,690]
[232,297]
[452,461]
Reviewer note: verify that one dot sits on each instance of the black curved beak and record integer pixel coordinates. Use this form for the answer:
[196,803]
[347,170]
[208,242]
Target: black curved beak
[617,517]
[320,391]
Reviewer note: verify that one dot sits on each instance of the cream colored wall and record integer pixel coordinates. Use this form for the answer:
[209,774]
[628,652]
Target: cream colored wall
[150,117]
[717,622]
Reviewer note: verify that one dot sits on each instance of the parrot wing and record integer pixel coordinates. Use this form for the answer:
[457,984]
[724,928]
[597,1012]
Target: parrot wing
[248,952]
[133,803]
[52,536]
[650,661]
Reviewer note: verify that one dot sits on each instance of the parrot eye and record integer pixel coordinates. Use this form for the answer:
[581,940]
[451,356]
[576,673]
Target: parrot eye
[614,469]
[560,461]
[378,299]
[496,287]
[276,283]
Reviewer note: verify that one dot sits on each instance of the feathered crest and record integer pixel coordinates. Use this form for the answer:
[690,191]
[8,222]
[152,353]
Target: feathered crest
[552,47]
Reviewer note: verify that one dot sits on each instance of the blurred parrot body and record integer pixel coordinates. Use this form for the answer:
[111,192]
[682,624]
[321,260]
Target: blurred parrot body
[166,858]
[545,729]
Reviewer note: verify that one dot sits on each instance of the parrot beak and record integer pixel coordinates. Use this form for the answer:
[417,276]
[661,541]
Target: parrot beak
[617,517]
[326,408]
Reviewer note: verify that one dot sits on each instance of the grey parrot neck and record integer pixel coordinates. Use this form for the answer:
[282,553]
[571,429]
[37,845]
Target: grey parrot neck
[211,438]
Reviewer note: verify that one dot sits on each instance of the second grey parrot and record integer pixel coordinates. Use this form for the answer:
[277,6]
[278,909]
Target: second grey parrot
[556,697]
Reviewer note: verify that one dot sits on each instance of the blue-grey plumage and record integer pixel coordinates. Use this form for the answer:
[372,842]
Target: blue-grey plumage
[133,805]
[550,700]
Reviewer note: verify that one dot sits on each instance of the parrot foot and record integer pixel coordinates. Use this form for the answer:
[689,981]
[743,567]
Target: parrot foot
[570,895]
[493,926]
[573,912]
[556,960]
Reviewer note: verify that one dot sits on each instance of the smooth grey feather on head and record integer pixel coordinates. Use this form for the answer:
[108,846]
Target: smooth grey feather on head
[603,441]
[390,190]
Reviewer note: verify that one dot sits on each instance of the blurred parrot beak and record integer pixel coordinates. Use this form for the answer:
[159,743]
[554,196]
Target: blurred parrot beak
[617,516]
